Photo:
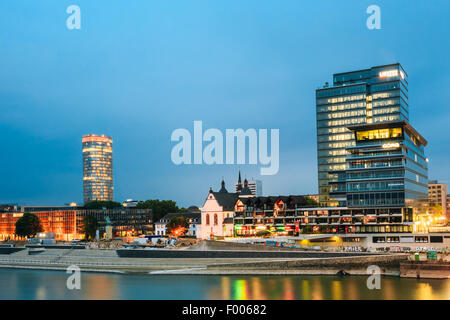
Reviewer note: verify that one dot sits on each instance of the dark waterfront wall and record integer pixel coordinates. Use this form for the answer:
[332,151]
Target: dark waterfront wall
[143,253]
[9,250]
[387,264]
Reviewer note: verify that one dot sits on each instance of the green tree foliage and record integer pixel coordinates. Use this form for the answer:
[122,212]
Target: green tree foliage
[307,229]
[176,223]
[90,226]
[263,233]
[311,202]
[102,204]
[160,207]
[28,225]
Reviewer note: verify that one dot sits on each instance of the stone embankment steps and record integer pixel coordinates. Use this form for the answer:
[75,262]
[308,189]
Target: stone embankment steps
[92,253]
[228,245]
[335,263]
[425,269]
[21,253]
[290,261]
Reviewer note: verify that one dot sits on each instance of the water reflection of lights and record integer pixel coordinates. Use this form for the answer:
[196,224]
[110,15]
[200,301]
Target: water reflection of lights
[388,290]
[102,287]
[258,289]
[336,290]
[25,284]
[41,293]
[424,292]
[239,287]
[317,289]
[225,286]
[352,291]
[289,293]
[305,290]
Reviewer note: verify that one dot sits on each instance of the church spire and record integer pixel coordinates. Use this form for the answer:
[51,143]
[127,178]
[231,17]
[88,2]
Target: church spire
[239,184]
[246,192]
[223,187]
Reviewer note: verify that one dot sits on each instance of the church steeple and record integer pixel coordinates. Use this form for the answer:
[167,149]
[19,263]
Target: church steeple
[223,187]
[246,190]
[239,184]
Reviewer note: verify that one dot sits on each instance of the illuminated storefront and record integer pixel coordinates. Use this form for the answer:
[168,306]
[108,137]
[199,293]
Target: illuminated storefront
[290,216]
[67,224]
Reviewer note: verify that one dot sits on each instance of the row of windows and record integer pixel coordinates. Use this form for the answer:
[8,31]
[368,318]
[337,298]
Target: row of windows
[415,189]
[383,198]
[354,76]
[326,153]
[386,118]
[357,154]
[343,122]
[335,167]
[376,134]
[338,137]
[216,220]
[97,150]
[341,91]
[375,175]
[375,186]
[385,86]
[374,164]
[340,107]
[410,164]
[94,176]
[386,110]
[419,178]
[332,130]
[331,160]
[414,144]
[384,95]
[341,99]
[335,145]
[383,103]
[337,115]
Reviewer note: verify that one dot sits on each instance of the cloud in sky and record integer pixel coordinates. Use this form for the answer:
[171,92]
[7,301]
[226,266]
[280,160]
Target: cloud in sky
[137,71]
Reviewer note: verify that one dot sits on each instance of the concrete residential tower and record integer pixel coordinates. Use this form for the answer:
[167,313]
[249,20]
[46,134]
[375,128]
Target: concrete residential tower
[97,168]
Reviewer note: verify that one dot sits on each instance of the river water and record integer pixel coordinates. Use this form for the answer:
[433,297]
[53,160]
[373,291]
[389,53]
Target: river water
[37,284]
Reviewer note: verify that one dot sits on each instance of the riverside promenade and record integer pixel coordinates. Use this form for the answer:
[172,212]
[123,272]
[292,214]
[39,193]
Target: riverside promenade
[204,259]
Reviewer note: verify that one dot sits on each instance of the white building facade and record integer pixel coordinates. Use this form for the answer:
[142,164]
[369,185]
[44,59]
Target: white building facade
[193,219]
[217,215]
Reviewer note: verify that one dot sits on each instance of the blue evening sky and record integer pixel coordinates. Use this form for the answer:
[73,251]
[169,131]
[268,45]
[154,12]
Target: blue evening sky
[137,70]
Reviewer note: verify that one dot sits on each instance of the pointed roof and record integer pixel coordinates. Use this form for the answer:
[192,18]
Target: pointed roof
[223,189]
[246,191]
[195,216]
[226,200]
[291,201]
[239,184]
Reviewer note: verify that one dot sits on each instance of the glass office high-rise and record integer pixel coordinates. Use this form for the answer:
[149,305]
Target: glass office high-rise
[375,95]
[386,168]
[97,168]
